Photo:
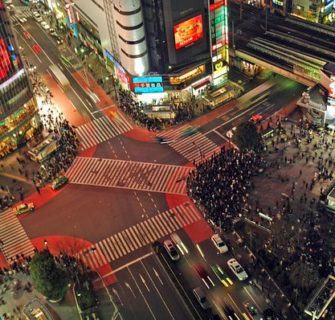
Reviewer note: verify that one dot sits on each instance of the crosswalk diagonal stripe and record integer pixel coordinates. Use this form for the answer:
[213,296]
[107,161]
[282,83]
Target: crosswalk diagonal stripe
[109,128]
[101,254]
[105,250]
[130,240]
[109,249]
[116,245]
[170,216]
[134,236]
[168,223]
[139,235]
[151,230]
[157,227]
[144,234]
[124,242]
[114,249]
[158,219]
[185,213]
[101,131]
[119,244]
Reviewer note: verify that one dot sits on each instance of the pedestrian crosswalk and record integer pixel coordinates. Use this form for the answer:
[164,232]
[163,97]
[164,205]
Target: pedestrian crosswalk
[13,238]
[190,143]
[139,235]
[20,12]
[133,175]
[99,130]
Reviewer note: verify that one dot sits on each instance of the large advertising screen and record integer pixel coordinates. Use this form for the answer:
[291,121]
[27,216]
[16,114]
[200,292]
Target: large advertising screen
[188,32]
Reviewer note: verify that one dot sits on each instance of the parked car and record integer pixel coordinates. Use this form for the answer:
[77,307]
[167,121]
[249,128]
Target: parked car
[24,208]
[237,269]
[171,250]
[219,243]
[59,182]
[201,298]
[45,25]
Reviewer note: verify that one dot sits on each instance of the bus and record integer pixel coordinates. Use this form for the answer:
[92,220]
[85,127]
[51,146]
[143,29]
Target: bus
[44,149]
[59,76]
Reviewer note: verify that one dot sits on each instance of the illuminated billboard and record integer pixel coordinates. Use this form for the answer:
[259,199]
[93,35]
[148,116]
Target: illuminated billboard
[5,63]
[188,32]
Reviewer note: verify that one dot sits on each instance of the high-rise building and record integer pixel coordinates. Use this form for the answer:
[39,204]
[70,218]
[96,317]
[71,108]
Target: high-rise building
[157,48]
[166,47]
[18,110]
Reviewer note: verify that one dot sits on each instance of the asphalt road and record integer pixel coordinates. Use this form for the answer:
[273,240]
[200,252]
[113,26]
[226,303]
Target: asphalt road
[143,289]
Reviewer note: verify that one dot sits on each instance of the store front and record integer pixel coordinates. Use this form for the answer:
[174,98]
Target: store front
[18,128]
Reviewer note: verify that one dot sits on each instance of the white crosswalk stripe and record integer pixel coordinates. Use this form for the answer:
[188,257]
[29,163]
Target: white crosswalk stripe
[190,143]
[140,235]
[129,175]
[102,129]
[14,238]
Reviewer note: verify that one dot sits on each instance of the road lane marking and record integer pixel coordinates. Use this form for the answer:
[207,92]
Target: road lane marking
[166,306]
[232,300]
[174,286]
[252,298]
[144,282]
[145,300]
[130,288]
[157,275]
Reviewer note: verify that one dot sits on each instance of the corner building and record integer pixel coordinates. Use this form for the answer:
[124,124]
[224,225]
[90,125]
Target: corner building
[167,47]
[18,110]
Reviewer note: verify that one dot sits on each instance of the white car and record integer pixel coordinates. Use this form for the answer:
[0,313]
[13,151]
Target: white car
[219,243]
[171,250]
[45,25]
[22,19]
[39,19]
[24,208]
[237,269]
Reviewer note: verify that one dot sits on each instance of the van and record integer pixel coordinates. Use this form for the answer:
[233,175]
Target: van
[201,298]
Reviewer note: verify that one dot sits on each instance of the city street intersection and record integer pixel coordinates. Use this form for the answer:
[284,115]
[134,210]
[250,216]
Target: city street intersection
[127,190]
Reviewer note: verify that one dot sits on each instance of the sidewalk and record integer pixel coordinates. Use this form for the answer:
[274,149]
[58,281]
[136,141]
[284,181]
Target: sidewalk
[65,310]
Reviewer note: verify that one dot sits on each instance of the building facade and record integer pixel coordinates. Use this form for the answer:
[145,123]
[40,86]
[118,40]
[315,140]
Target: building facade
[18,109]
[322,11]
[168,47]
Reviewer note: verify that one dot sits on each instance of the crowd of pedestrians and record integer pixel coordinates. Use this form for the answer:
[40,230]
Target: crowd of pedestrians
[62,158]
[183,111]
[220,185]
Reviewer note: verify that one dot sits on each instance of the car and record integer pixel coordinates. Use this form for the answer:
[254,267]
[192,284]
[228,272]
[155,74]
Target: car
[52,30]
[201,298]
[36,14]
[205,278]
[222,276]
[59,182]
[26,35]
[219,243]
[39,19]
[171,250]
[45,25]
[256,118]
[36,48]
[252,311]
[22,19]
[237,269]
[24,208]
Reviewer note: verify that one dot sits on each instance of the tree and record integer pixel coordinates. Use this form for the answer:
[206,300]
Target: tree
[48,278]
[304,276]
[246,137]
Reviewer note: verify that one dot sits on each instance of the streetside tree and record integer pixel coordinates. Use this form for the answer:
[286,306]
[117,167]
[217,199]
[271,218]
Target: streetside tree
[48,277]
